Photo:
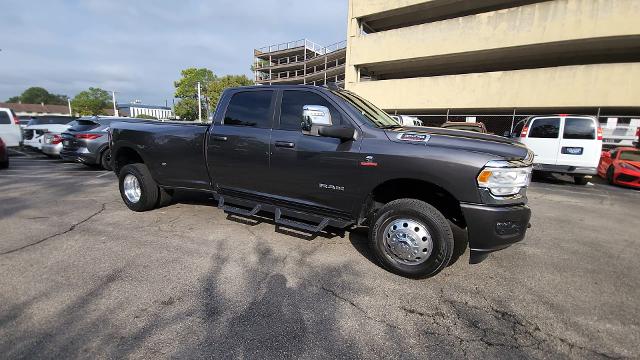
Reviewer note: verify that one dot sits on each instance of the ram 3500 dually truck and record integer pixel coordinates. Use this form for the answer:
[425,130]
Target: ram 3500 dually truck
[317,157]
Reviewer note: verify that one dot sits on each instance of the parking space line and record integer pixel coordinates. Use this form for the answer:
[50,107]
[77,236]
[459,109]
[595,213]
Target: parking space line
[106,173]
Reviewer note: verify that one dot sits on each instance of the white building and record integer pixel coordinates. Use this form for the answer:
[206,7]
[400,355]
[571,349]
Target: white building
[135,109]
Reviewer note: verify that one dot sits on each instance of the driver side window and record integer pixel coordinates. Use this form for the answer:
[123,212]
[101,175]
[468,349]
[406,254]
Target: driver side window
[291,108]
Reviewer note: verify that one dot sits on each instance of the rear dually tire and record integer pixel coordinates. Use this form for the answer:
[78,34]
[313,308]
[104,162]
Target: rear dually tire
[137,188]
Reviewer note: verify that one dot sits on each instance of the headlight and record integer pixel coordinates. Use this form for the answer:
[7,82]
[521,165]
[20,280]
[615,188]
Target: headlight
[503,180]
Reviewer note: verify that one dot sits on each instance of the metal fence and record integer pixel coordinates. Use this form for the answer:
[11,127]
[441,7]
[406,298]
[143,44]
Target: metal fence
[618,127]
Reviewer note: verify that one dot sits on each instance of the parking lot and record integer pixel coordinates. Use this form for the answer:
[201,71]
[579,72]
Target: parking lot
[83,276]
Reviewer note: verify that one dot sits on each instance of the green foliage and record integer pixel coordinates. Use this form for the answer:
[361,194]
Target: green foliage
[187,92]
[212,87]
[145,116]
[187,109]
[216,87]
[37,95]
[91,102]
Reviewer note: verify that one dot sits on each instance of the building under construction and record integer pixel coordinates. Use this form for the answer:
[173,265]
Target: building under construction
[300,62]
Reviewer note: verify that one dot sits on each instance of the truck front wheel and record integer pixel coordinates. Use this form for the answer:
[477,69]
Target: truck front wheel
[411,238]
[137,188]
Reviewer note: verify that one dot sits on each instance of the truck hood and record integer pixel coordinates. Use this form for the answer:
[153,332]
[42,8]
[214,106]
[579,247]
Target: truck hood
[464,140]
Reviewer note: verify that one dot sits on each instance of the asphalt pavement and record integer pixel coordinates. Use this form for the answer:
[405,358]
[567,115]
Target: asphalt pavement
[84,277]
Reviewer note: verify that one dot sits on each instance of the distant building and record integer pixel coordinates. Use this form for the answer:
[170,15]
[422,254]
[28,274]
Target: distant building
[37,109]
[300,62]
[135,109]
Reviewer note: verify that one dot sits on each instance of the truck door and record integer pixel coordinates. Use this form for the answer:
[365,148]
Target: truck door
[543,138]
[238,146]
[313,170]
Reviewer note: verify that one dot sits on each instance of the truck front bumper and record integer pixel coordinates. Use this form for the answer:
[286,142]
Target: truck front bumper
[492,228]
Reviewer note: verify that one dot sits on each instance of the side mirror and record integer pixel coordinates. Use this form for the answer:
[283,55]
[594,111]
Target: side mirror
[315,117]
[344,133]
[606,154]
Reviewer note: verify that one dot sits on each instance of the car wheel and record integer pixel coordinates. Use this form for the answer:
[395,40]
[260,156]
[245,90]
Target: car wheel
[411,238]
[610,175]
[137,188]
[4,164]
[105,159]
[580,180]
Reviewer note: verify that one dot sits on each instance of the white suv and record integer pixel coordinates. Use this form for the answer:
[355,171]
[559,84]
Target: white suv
[564,144]
[10,131]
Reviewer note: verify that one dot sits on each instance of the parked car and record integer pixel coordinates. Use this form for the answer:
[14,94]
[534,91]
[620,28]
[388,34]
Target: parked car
[38,126]
[52,143]
[621,166]
[10,128]
[406,120]
[564,144]
[87,141]
[4,155]
[467,126]
[318,157]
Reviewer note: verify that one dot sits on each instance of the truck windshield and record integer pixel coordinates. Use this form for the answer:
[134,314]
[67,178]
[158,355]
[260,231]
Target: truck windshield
[375,116]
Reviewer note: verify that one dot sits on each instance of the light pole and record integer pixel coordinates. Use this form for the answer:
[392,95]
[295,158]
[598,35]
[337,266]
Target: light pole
[199,104]
[69,102]
[113,98]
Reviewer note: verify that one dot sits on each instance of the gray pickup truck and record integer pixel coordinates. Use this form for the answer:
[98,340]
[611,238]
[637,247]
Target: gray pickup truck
[316,157]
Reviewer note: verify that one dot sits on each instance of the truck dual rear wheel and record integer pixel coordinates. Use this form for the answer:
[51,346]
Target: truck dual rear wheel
[138,189]
[411,238]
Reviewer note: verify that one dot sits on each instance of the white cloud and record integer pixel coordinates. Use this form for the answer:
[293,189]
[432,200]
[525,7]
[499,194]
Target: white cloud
[139,47]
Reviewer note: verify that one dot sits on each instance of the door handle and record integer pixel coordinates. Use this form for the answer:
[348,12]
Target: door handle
[285,144]
[219,138]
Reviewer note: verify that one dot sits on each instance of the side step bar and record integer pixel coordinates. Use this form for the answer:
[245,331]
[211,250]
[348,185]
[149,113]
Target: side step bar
[279,211]
[238,211]
[300,225]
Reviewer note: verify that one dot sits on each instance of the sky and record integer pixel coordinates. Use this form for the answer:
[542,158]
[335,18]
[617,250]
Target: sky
[138,48]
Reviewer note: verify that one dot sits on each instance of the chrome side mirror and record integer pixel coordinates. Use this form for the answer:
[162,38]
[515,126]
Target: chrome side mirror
[314,117]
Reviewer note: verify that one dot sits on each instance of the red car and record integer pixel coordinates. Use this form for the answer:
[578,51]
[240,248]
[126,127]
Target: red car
[621,166]
[4,155]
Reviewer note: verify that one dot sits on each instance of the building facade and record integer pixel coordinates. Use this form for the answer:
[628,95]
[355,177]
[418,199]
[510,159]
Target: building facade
[300,62]
[495,56]
[135,109]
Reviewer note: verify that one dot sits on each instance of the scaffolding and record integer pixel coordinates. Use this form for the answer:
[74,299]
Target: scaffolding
[300,62]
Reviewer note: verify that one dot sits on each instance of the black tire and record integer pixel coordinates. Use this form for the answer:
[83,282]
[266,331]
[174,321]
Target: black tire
[105,159]
[165,196]
[4,164]
[580,180]
[610,175]
[148,187]
[435,223]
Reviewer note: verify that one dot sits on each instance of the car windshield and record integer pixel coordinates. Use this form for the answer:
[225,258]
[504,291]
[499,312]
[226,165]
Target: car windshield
[60,120]
[630,155]
[370,112]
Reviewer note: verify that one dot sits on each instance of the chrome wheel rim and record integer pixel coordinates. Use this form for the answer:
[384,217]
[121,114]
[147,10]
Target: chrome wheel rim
[407,241]
[131,188]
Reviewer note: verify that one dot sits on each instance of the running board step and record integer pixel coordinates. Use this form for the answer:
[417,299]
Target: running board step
[300,225]
[238,211]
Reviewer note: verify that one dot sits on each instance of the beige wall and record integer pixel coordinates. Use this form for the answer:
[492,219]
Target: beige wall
[552,21]
[566,86]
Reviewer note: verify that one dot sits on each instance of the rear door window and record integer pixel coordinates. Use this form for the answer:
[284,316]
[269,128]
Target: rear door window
[548,128]
[250,108]
[579,128]
[4,118]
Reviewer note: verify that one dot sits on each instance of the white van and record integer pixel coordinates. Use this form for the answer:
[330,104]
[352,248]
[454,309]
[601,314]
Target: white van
[406,120]
[564,144]
[10,130]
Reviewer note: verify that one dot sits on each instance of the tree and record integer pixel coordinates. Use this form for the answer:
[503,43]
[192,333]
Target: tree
[91,102]
[187,92]
[37,95]
[216,87]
